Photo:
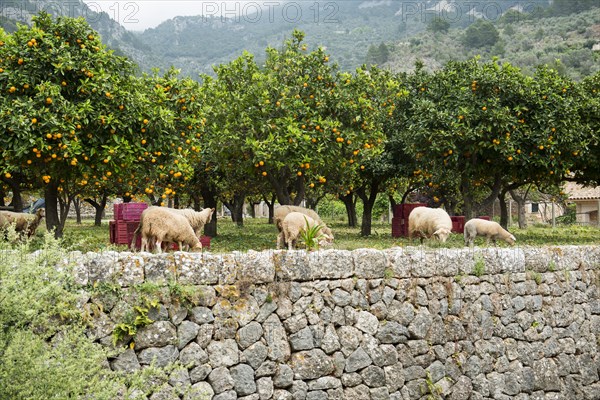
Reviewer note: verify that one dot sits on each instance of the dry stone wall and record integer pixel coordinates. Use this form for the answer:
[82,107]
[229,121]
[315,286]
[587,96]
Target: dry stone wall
[404,323]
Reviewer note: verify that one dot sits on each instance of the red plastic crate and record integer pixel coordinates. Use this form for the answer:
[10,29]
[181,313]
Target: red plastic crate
[399,228]
[121,232]
[458,223]
[403,210]
[129,211]
[400,219]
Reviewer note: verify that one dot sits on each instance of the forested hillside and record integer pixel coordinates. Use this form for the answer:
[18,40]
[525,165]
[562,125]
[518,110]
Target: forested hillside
[569,43]
[384,32]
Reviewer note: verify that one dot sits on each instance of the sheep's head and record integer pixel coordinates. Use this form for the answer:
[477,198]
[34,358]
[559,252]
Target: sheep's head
[207,214]
[197,248]
[325,240]
[442,234]
[510,239]
[40,213]
[327,232]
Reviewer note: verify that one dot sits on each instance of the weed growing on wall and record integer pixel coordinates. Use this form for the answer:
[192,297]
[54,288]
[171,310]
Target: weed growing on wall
[479,267]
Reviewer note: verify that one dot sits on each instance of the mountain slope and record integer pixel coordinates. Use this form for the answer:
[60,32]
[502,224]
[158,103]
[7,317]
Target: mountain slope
[574,40]
[113,34]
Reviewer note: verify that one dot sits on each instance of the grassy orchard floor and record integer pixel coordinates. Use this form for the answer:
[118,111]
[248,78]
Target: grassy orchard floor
[257,234]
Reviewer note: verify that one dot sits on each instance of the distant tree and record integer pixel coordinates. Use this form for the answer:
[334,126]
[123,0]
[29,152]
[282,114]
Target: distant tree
[377,54]
[480,34]
[566,7]
[512,16]
[384,53]
[509,30]
[438,25]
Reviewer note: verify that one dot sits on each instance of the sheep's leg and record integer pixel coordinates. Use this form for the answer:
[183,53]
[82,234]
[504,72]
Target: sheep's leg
[280,240]
[291,244]
[158,246]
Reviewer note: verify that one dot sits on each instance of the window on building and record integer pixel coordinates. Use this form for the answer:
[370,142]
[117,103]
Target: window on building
[535,207]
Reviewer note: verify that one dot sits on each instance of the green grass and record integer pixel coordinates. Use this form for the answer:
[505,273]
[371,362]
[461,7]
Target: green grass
[257,234]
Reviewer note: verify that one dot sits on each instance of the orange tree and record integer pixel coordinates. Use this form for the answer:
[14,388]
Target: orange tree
[289,124]
[364,104]
[313,121]
[232,103]
[72,114]
[587,168]
[490,126]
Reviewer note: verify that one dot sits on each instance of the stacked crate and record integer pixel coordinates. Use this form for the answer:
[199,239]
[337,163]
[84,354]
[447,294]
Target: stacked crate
[127,218]
[400,218]
[458,223]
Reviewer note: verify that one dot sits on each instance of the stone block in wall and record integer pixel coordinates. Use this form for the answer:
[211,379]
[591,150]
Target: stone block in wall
[160,268]
[156,334]
[292,265]
[196,268]
[255,267]
[369,263]
[311,364]
[160,356]
[331,264]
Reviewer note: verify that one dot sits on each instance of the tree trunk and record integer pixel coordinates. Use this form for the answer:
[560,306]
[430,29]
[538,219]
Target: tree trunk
[210,201]
[280,187]
[17,200]
[196,202]
[503,209]
[52,216]
[465,189]
[271,205]
[77,206]
[64,205]
[521,207]
[348,201]
[99,208]
[253,209]
[2,196]
[368,203]
[236,207]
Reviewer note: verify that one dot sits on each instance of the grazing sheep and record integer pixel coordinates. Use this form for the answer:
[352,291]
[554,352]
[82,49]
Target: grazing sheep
[197,220]
[159,224]
[282,211]
[490,229]
[25,224]
[425,222]
[294,224]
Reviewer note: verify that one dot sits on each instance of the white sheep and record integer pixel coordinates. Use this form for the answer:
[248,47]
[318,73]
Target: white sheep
[490,229]
[294,224]
[282,211]
[425,222]
[196,219]
[160,224]
[25,224]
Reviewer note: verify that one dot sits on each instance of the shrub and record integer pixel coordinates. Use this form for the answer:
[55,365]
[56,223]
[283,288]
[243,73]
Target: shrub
[44,352]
